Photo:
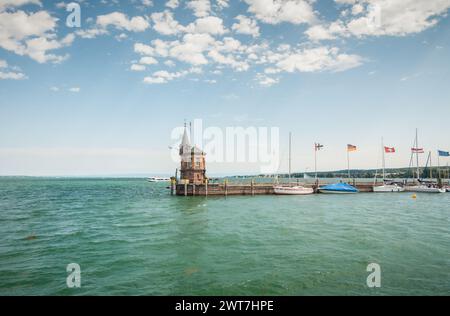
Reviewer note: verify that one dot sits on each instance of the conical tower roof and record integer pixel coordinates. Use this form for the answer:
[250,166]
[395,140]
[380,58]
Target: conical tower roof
[185,142]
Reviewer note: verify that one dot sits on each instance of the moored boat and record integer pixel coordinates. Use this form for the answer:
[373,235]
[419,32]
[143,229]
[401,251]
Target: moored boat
[289,189]
[388,188]
[423,188]
[158,179]
[338,188]
[292,190]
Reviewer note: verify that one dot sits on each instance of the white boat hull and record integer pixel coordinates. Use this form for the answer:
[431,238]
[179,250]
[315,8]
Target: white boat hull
[297,190]
[388,188]
[158,180]
[424,189]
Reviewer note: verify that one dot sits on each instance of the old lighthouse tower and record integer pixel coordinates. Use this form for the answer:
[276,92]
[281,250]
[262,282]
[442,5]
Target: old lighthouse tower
[193,167]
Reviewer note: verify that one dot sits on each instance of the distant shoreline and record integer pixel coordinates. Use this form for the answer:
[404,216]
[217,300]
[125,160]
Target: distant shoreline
[355,173]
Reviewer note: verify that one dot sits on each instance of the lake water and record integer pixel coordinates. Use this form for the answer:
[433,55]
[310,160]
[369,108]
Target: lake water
[130,237]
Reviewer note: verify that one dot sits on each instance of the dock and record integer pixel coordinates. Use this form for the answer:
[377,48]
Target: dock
[225,188]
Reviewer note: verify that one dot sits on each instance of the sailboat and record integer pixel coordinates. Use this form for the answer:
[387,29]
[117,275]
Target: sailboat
[422,186]
[288,189]
[388,186]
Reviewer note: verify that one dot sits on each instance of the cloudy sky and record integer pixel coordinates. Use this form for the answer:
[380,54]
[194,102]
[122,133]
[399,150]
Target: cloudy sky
[103,98]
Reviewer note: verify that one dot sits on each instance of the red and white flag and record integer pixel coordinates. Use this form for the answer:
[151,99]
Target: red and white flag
[417,150]
[389,150]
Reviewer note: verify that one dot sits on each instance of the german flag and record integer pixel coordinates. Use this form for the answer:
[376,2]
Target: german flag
[351,148]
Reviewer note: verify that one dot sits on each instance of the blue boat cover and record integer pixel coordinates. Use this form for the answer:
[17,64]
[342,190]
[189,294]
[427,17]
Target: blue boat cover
[339,187]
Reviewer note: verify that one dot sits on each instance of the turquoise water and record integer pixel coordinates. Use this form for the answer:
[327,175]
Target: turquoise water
[131,237]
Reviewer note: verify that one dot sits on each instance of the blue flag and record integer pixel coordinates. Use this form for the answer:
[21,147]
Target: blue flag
[443,153]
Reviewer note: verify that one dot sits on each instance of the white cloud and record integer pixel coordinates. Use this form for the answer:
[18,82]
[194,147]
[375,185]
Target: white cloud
[318,59]
[12,75]
[266,81]
[122,22]
[277,11]
[173,4]
[17,3]
[201,8]
[143,49]
[147,3]
[137,67]
[246,26]
[169,63]
[382,18]
[163,76]
[321,32]
[192,48]
[210,24]
[397,17]
[54,89]
[154,80]
[75,89]
[147,60]
[31,34]
[91,33]
[223,4]
[165,23]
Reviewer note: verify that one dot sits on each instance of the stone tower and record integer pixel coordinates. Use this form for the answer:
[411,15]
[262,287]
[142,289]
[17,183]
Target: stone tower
[193,167]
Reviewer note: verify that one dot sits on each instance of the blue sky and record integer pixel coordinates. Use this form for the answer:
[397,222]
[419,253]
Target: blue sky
[104,98]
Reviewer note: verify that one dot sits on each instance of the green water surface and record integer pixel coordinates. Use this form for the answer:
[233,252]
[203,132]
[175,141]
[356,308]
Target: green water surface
[130,237]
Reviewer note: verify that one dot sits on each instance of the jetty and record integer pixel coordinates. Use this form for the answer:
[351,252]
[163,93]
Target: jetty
[225,188]
[194,182]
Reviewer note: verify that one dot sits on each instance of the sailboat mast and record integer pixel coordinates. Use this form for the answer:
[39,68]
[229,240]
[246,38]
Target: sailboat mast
[417,154]
[384,158]
[431,167]
[290,158]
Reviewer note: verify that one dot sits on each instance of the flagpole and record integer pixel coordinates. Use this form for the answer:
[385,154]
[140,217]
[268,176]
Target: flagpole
[348,163]
[439,167]
[315,159]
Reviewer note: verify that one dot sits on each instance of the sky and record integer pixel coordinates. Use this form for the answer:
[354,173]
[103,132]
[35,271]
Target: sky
[104,98]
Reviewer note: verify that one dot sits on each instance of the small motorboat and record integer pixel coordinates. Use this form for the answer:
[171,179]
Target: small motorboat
[292,190]
[338,188]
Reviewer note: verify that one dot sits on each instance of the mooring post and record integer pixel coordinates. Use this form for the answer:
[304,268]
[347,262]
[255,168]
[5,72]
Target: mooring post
[226,187]
[172,186]
[193,189]
[206,187]
[253,188]
[185,188]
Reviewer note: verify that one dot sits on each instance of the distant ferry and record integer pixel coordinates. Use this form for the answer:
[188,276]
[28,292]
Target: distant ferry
[158,179]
